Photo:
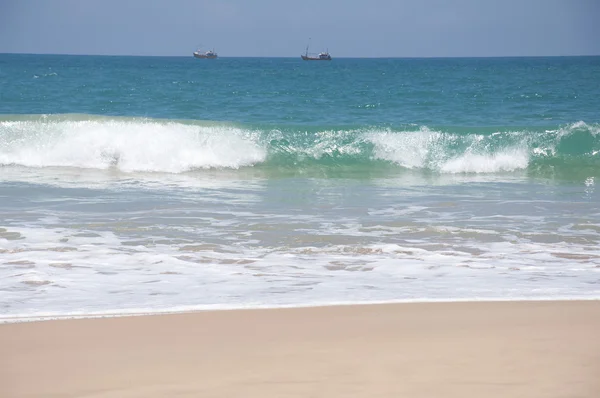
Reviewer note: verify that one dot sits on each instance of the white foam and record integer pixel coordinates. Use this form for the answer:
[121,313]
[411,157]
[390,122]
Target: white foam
[98,274]
[431,149]
[593,129]
[508,160]
[127,145]
[408,149]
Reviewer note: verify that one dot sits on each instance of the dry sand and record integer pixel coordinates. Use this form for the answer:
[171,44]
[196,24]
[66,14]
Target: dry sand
[504,349]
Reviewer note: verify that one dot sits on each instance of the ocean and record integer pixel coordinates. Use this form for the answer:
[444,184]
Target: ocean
[165,184]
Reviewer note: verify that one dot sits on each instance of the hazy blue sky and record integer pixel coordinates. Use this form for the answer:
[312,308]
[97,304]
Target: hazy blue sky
[350,28]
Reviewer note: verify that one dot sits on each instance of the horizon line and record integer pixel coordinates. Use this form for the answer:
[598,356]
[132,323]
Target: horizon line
[297,56]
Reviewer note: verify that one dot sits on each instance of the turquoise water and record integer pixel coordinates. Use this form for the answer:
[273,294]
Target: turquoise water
[159,184]
[347,93]
[308,115]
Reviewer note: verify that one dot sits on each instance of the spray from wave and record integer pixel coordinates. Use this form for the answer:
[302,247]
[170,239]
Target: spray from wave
[133,145]
[129,145]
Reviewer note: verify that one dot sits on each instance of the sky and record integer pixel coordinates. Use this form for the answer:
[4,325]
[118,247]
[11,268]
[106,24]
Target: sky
[283,28]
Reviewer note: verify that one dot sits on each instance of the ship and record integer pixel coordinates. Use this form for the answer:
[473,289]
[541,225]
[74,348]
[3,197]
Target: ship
[322,56]
[211,54]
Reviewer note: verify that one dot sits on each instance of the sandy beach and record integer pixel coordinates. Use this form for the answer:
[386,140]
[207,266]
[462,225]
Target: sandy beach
[501,349]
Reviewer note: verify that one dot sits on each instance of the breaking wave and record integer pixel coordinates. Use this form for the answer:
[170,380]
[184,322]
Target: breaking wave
[153,145]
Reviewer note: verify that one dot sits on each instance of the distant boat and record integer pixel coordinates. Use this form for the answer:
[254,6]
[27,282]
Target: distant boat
[323,56]
[211,54]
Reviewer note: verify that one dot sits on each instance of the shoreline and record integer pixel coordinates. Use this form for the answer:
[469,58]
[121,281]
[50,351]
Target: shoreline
[455,349]
[194,309]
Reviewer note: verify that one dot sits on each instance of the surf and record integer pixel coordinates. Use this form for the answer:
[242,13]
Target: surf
[130,144]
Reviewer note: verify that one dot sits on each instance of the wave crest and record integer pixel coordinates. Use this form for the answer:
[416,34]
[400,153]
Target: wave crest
[134,145]
[130,145]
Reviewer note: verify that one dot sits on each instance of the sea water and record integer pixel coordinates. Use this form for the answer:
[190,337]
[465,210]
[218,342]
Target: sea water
[151,184]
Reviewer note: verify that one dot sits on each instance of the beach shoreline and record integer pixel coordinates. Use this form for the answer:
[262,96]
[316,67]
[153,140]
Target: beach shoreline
[251,307]
[455,349]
